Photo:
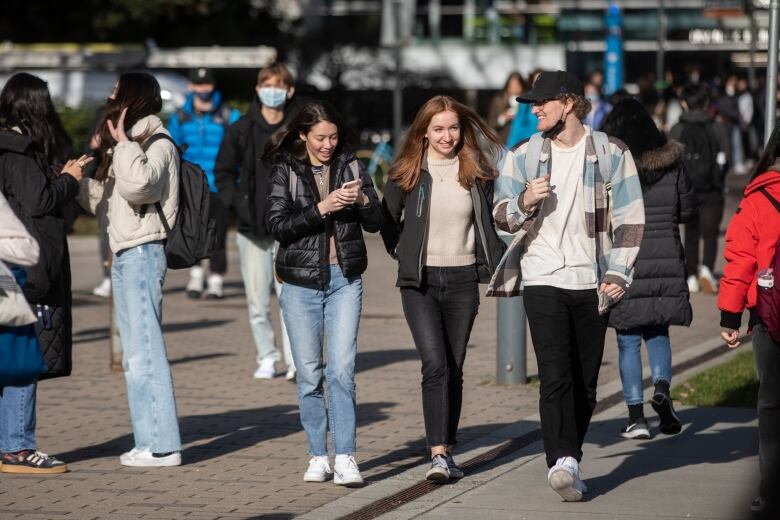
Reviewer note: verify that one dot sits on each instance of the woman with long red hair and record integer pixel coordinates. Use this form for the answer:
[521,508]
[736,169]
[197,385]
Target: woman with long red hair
[439,226]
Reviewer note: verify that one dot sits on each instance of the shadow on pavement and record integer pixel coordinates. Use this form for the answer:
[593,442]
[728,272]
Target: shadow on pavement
[201,357]
[100,333]
[700,442]
[379,358]
[225,433]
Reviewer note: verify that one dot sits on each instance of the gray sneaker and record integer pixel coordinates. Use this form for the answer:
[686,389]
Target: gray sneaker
[454,469]
[439,471]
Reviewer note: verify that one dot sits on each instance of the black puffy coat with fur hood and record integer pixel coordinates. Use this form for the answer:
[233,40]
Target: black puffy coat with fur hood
[659,293]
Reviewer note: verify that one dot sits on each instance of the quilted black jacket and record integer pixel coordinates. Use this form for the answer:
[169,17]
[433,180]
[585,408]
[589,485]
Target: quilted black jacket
[300,229]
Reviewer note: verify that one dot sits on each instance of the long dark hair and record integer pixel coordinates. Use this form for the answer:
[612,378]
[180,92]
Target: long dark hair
[288,138]
[139,92]
[630,122]
[770,154]
[25,103]
[475,139]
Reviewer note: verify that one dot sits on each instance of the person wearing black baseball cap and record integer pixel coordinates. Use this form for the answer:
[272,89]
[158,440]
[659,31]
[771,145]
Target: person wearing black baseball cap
[576,186]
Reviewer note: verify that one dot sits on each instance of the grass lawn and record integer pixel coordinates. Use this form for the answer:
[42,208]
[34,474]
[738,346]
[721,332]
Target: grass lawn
[733,383]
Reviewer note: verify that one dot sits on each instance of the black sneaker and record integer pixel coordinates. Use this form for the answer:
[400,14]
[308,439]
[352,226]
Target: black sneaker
[636,429]
[662,404]
[439,471]
[454,469]
[31,462]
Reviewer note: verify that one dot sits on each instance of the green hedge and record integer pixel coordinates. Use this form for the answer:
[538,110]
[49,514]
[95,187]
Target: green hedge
[78,121]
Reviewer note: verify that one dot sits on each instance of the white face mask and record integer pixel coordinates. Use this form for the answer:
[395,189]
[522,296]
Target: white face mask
[730,91]
[272,97]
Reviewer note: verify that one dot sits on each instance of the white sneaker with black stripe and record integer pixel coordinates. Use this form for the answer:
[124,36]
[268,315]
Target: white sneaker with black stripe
[637,429]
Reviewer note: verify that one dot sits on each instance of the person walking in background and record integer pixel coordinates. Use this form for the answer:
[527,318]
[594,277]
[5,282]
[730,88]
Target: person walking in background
[573,198]
[599,107]
[523,124]
[439,226]
[198,128]
[33,142]
[706,149]
[320,199]
[729,114]
[242,179]
[751,248]
[504,105]
[137,175]
[658,296]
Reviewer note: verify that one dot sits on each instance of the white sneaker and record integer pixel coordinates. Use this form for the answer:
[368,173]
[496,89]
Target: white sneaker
[143,458]
[104,289]
[693,284]
[346,472]
[290,375]
[707,281]
[266,370]
[565,480]
[195,285]
[214,287]
[318,470]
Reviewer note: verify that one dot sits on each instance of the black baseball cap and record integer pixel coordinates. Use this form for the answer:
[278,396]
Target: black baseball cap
[202,76]
[551,84]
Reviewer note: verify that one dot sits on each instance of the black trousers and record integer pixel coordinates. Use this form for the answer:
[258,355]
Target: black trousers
[218,258]
[568,336]
[705,226]
[768,366]
[440,314]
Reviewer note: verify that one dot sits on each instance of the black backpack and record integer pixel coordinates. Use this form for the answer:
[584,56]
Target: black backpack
[191,239]
[700,156]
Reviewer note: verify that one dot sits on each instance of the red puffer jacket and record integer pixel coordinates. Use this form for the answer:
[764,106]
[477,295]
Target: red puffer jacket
[750,245]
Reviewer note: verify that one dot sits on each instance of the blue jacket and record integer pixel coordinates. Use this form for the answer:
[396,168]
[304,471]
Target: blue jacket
[202,133]
[523,125]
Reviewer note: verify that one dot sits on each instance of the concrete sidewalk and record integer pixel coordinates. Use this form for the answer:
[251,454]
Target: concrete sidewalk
[707,471]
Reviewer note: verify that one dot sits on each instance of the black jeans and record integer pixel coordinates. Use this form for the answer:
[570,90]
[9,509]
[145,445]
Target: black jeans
[218,258]
[705,226]
[440,314]
[568,336]
[768,366]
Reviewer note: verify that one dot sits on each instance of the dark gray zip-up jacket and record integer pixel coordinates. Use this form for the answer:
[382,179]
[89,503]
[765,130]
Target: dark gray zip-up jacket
[406,224]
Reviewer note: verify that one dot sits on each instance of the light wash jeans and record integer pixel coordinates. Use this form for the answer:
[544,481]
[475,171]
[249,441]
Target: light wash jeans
[257,269]
[17,418]
[137,276]
[659,352]
[336,312]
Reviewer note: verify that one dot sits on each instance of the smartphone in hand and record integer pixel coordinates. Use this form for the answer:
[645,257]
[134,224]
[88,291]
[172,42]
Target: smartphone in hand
[350,184]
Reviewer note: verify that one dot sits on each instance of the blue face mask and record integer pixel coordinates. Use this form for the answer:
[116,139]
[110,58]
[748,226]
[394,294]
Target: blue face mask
[273,97]
[204,96]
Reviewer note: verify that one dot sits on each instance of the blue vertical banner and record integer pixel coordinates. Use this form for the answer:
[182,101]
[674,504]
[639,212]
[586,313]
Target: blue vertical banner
[613,57]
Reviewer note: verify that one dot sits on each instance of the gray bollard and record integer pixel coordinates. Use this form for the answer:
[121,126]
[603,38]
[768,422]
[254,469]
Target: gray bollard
[510,349]
[510,344]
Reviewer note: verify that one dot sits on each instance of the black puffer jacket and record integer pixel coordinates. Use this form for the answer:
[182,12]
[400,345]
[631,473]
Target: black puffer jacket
[38,202]
[659,293]
[300,229]
[404,238]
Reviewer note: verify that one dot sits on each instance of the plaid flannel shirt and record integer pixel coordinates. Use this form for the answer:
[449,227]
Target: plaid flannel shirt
[614,212]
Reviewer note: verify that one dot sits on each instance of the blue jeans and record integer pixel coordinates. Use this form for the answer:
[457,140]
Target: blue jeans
[308,313]
[17,418]
[659,352]
[137,276]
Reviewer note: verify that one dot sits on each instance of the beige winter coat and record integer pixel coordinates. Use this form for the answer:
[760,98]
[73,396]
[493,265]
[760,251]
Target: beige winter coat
[136,178]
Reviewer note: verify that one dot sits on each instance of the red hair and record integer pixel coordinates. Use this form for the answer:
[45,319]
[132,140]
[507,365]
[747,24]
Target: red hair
[474,135]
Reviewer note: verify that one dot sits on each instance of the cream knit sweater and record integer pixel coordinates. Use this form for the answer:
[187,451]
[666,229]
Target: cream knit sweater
[450,238]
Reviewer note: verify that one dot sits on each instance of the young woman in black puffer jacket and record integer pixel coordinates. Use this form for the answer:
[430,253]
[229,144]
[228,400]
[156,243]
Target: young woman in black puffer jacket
[658,296]
[320,200]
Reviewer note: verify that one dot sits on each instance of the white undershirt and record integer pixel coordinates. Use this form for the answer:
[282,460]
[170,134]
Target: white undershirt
[558,250]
